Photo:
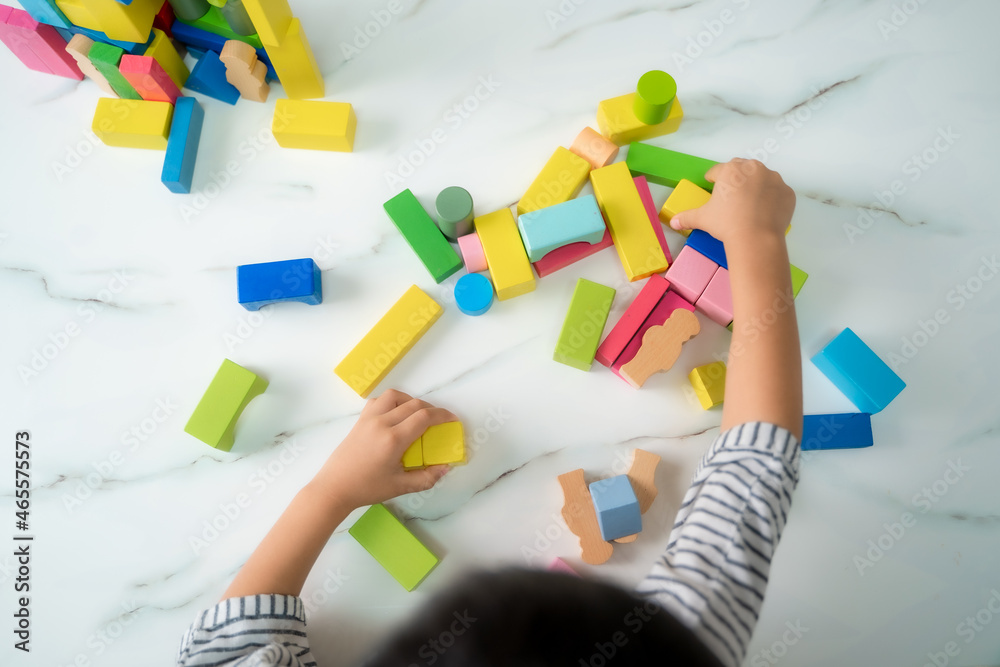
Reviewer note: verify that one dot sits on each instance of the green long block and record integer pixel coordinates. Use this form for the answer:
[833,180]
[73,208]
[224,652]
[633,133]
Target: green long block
[423,235]
[667,167]
[213,21]
[106,58]
[393,546]
[584,323]
[214,419]
[799,278]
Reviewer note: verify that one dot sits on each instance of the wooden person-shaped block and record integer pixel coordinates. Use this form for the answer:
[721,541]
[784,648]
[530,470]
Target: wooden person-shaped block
[244,70]
[661,345]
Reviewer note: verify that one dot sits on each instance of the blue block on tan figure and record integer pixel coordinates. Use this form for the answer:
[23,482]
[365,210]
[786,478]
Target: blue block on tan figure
[850,430]
[209,78]
[709,246]
[617,507]
[182,145]
[545,229]
[201,41]
[858,372]
[274,282]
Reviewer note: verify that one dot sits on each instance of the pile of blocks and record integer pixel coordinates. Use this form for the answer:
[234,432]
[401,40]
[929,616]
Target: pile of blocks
[133,50]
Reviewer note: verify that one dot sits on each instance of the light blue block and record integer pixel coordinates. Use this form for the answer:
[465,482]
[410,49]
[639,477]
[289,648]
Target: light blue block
[272,282]
[131,48]
[553,227]
[474,294]
[203,40]
[617,507]
[46,11]
[182,145]
[858,372]
[209,78]
[851,430]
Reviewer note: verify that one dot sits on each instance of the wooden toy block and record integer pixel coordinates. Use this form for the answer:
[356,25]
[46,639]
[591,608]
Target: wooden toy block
[266,283]
[389,340]
[315,125]
[616,506]
[148,78]
[654,95]
[130,23]
[454,209]
[666,167]
[393,546]
[472,253]
[15,40]
[215,22]
[444,444]
[638,248]
[852,430]
[559,565]
[164,19]
[584,324]
[709,383]
[163,50]
[79,47]
[237,18]
[690,273]
[413,457]
[295,64]
[617,120]
[647,203]
[198,42]
[630,321]
[685,197]
[209,78]
[271,18]
[717,299]
[509,266]
[182,145]
[709,246]
[48,12]
[562,257]
[594,148]
[858,372]
[574,221]
[423,236]
[214,419]
[661,345]
[642,475]
[799,278]
[105,58]
[581,518]
[246,72]
[133,123]
[43,40]
[189,10]
[670,302]
[474,294]
[560,180]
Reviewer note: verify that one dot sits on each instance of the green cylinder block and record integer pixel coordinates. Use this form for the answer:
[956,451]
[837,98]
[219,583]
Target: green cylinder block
[654,96]
[454,209]
[237,18]
[189,10]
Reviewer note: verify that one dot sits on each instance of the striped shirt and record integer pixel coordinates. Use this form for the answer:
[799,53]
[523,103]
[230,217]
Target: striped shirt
[712,576]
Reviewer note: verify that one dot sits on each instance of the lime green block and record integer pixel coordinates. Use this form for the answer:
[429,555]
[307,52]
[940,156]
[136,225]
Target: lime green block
[214,420]
[393,546]
[799,278]
[654,95]
[667,167]
[584,323]
[423,235]
[213,21]
[105,59]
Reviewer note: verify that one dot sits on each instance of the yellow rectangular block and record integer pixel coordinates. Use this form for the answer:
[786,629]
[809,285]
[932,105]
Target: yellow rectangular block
[618,123]
[444,444]
[505,254]
[685,197]
[413,457]
[133,123]
[388,341]
[128,23]
[560,180]
[322,126]
[295,64]
[638,248]
[709,383]
[163,51]
[271,18]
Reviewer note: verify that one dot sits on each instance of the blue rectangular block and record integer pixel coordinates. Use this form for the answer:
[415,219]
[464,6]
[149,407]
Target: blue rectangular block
[46,11]
[182,145]
[273,282]
[204,40]
[132,48]
[209,78]
[617,507]
[546,229]
[850,430]
[858,372]
[709,246]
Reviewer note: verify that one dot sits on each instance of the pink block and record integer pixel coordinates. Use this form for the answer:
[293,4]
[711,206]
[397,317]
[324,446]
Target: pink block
[717,299]
[149,79]
[667,305]
[632,319]
[16,40]
[559,565]
[472,253]
[690,274]
[46,43]
[562,257]
[654,217]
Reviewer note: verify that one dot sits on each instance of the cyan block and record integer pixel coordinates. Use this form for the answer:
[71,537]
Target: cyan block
[203,40]
[273,282]
[46,11]
[617,507]
[182,146]
[546,229]
[851,430]
[858,372]
[709,246]
[209,78]
[473,294]
[131,48]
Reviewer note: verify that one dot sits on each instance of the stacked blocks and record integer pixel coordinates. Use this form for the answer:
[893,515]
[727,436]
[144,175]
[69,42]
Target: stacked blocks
[594,148]
[209,78]
[709,246]
[182,145]
[561,179]
[292,57]
[216,21]
[584,324]
[214,419]
[852,430]
[562,257]
[654,96]
[423,236]
[666,167]
[670,302]
[472,253]
[133,123]
[149,79]
[310,124]
[631,320]
[106,58]
[685,197]
[508,262]
[617,507]
[454,209]
[709,383]
[690,273]
[858,372]
[130,23]
[262,284]
[163,50]
[441,444]
[717,299]
[79,48]
[617,121]
[642,187]
[38,45]
[393,546]
[660,347]
[189,10]
[246,71]
[574,221]
[473,294]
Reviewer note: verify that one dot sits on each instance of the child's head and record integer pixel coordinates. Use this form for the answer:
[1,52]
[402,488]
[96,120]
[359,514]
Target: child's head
[527,618]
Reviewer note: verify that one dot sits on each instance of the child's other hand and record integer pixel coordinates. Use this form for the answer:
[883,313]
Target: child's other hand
[748,200]
[367,467]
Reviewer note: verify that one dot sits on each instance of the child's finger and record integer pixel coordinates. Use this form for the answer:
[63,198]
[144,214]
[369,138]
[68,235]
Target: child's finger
[401,412]
[414,426]
[421,480]
[387,401]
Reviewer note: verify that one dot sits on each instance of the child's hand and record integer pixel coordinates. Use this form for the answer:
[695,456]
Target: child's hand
[367,467]
[748,199]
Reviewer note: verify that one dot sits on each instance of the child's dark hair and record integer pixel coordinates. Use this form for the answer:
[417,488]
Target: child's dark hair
[532,618]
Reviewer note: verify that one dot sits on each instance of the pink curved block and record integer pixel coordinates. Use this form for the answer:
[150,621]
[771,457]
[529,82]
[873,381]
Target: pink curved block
[472,253]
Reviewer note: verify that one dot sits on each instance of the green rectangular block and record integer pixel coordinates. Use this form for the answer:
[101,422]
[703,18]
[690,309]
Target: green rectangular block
[799,278]
[584,324]
[423,235]
[105,58]
[667,167]
[214,419]
[213,21]
[393,546]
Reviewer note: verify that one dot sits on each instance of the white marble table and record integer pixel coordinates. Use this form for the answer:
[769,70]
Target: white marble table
[845,99]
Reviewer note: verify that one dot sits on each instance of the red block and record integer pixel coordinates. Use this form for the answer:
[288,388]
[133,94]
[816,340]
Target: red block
[164,19]
[647,201]
[149,79]
[632,319]
[39,46]
[562,257]
[670,302]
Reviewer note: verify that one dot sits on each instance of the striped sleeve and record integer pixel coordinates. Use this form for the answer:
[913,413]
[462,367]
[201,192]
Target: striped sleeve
[714,572]
[256,630]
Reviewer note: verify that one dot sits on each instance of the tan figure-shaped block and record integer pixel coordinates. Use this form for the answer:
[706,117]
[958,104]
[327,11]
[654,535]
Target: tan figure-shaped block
[79,47]
[642,476]
[244,70]
[661,345]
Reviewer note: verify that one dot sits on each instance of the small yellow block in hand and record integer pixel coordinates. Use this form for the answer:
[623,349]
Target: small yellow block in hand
[709,382]
[685,197]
